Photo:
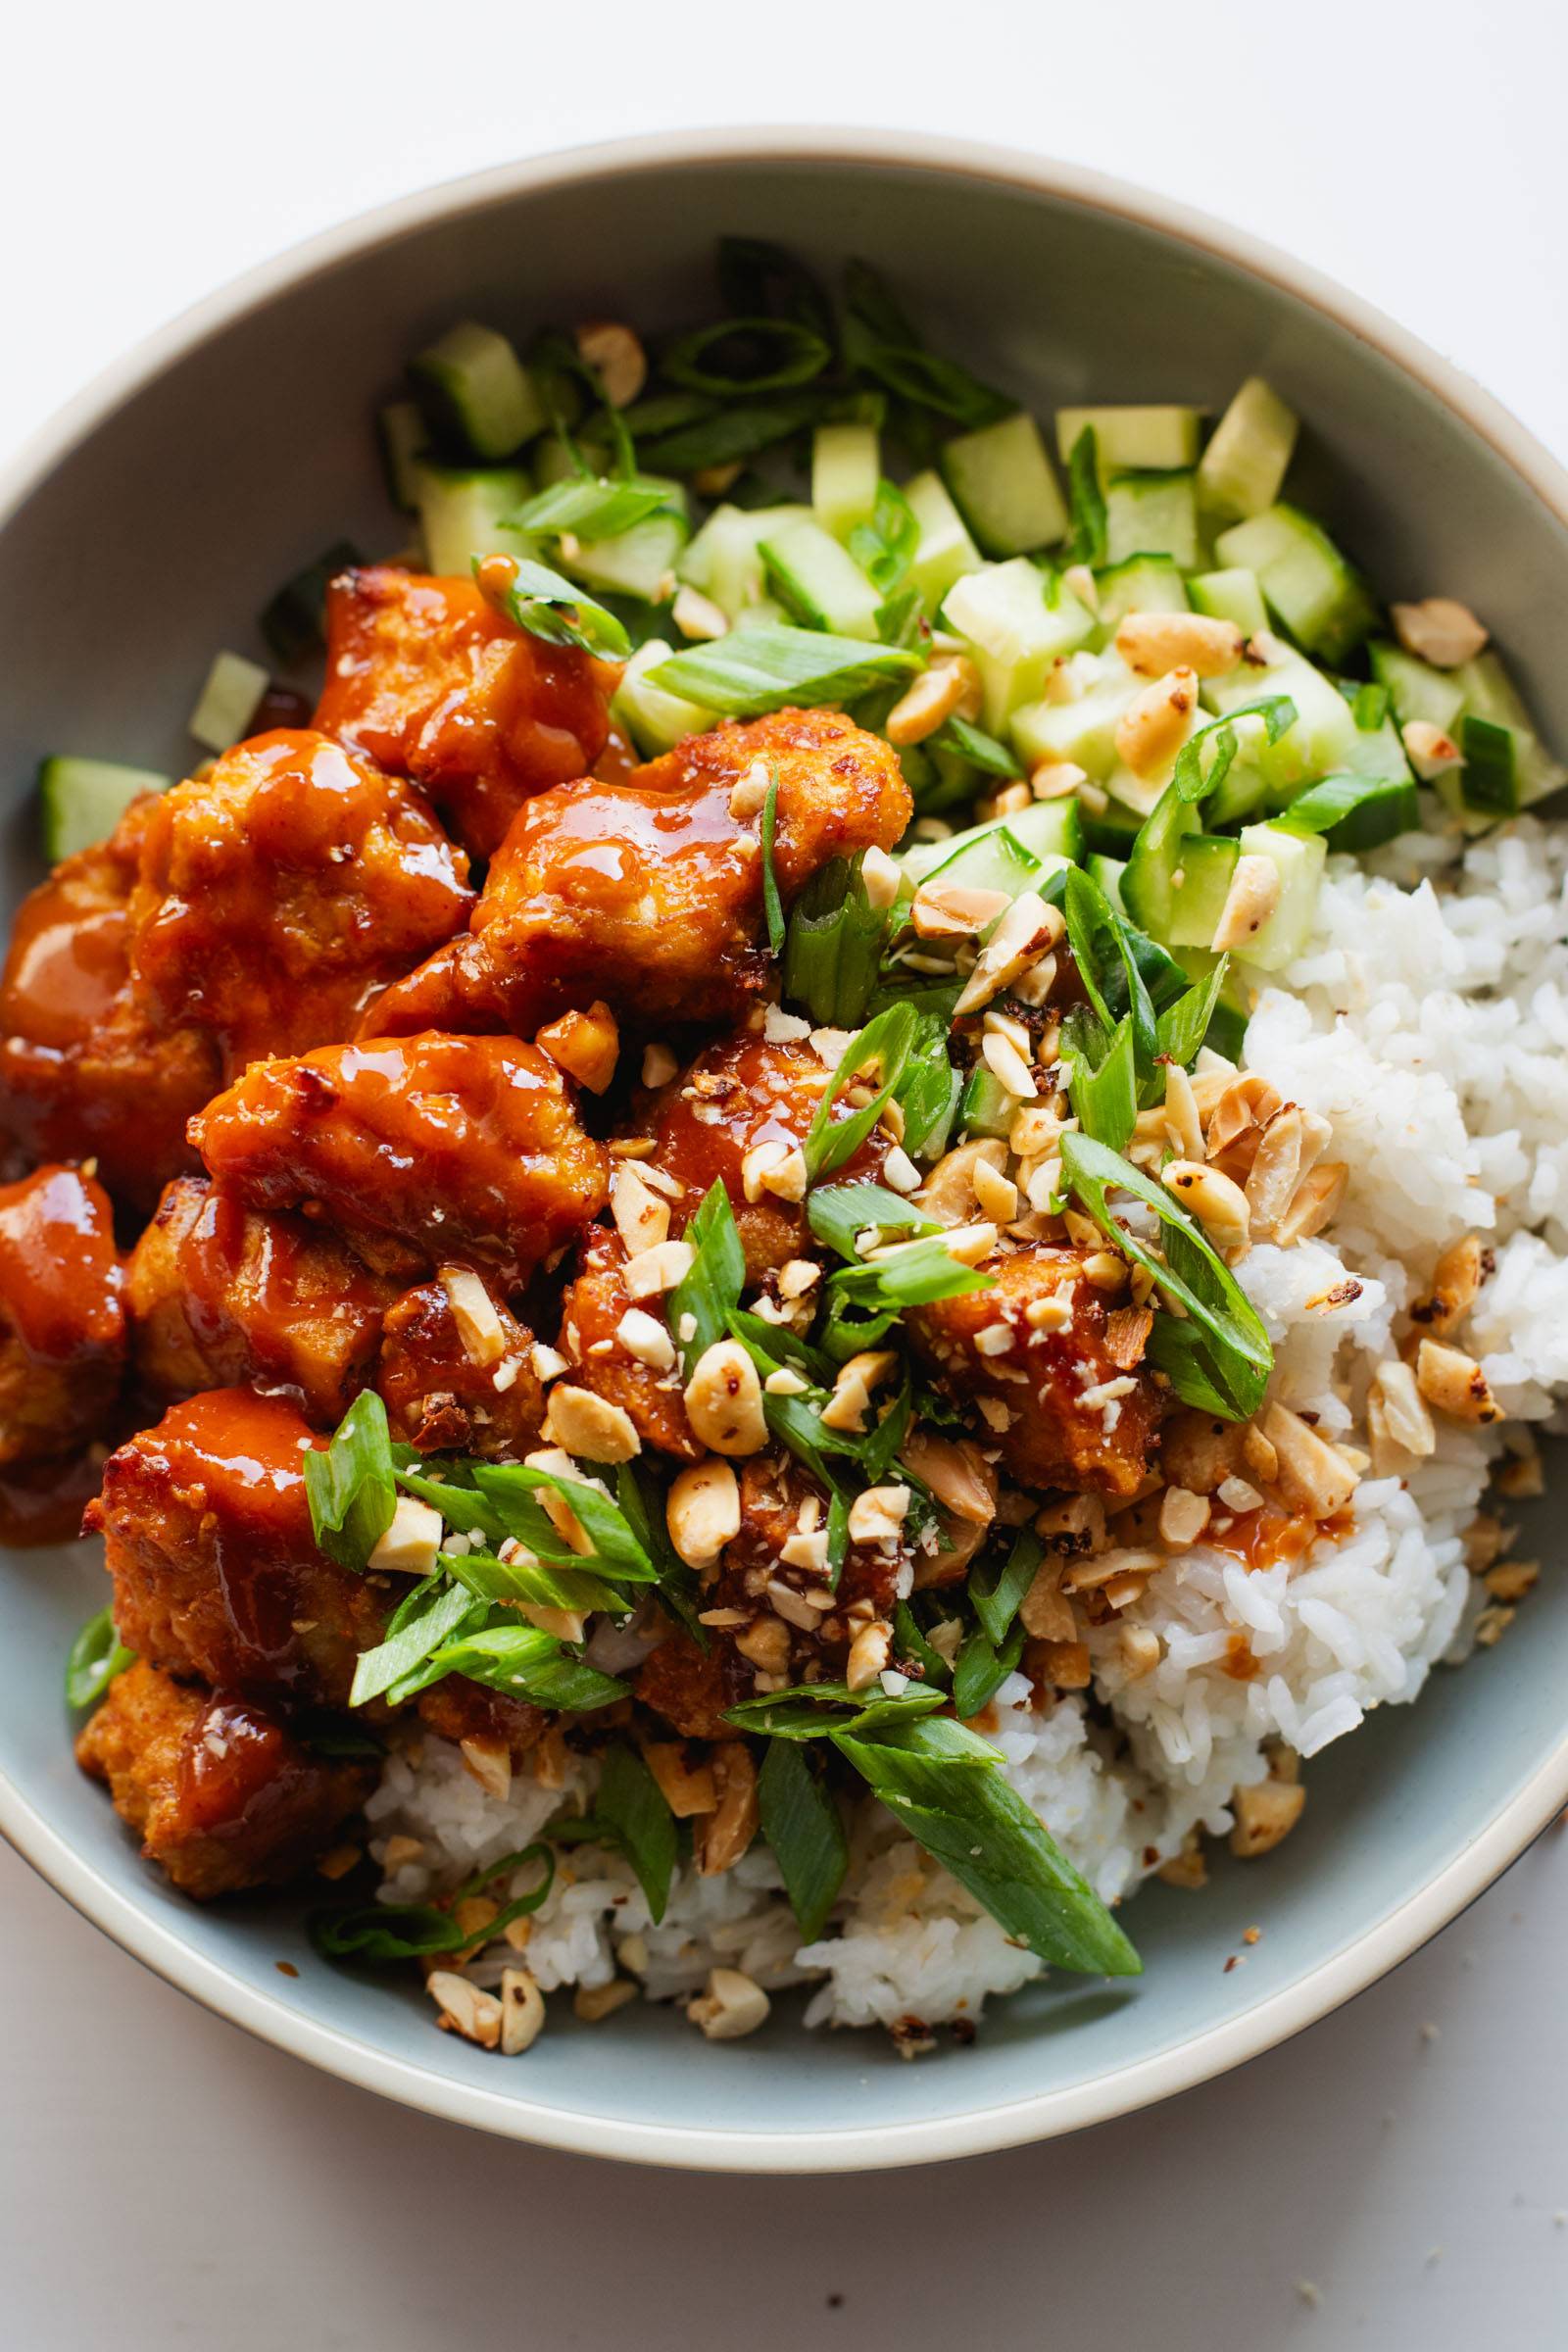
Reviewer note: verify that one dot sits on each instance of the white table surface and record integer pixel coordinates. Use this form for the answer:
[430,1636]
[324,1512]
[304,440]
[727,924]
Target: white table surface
[1398,2175]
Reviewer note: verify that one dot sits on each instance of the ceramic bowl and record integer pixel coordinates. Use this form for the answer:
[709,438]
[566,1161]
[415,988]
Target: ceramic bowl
[146,528]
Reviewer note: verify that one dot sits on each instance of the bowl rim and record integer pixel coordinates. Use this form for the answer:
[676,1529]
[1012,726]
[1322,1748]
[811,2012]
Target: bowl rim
[1042,2115]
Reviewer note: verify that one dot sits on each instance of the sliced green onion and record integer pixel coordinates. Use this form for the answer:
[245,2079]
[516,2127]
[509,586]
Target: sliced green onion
[97,1657]
[773,906]
[526,1663]
[1355,812]
[554,609]
[885,546]
[709,1294]
[801,1824]
[779,354]
[1087,500]
[838,1213]
[731,434]
[592,510]
[632,1805]
[759,279]
[886,1041]
[997,1593]
[945,1787]
[756,669]
[383,1934]
[879,341]
[1183,1025]
[980,1669]
[350,1486]
[1218,1357]
[833,946]
[427,1617]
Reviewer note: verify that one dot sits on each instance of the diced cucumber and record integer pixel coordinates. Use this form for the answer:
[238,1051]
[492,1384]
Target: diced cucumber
[294,620]
[722,560]
[1154,514]
[1108,873]
[946,551]
[1243,791]
[1242,470]
[1084,730]
[1233,595]
[656,719]
[227,701]
[1049,832]
[1321,599]
[476,391]
[1323,737]
[1132,437]
[844,471]
[985,1106]
[1199,886]
[1147,887]
[1017,633]
[1300,858]
[1490,695]
[404,436]
[814,578]
[1111,831]
[83,801]
[990,858]
[1379,751]
[1004,486]
[1143,583]
[464,514]
[639,562]
[1419,691]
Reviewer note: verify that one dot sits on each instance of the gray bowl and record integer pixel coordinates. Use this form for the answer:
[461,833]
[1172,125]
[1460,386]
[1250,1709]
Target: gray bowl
[145,528]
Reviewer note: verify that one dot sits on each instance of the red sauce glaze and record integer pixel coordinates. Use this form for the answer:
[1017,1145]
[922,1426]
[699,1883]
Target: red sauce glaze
[275,894]
[60,1273]
[453,1144]
[1262,1538]
[434,683]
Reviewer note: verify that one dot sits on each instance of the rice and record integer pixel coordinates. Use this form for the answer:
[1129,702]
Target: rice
[1427,1021]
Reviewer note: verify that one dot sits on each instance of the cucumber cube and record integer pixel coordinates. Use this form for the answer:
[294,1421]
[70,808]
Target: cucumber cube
[946,551]
[1004,483]
[1242,470]
[464,514]
[83,801]
[227,701]
[1418,691]
[722,560]
[1153,515]
[1143,583]
[845,473]
[1233,595]
[1321,599]
[475,389]
[1131,436]
[1300,858]
[640,563]
[818,582]
[1084,730]
[1017,632]
[1199,886]
[656,719]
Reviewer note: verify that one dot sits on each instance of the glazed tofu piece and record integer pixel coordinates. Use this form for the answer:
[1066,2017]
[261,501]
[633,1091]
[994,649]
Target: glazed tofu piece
[219,1791]
[1056,1368]
[626,1362]
[456,1369]
[449,1145]
[649,894]
[62,1314]
[217,1577]
[737,1115]
[275,896]
[222,1295]
[85,1070]
[430,682]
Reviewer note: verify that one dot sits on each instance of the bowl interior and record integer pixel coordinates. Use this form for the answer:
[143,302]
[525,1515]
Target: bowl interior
[156,540]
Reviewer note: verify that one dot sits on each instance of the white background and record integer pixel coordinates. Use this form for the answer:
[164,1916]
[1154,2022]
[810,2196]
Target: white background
[165,2182]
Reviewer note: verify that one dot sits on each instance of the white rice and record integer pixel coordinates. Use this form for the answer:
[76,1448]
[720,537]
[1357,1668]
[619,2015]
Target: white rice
[1429,1025]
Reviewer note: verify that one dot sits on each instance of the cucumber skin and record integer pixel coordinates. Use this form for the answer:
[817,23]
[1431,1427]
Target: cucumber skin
[83,801]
